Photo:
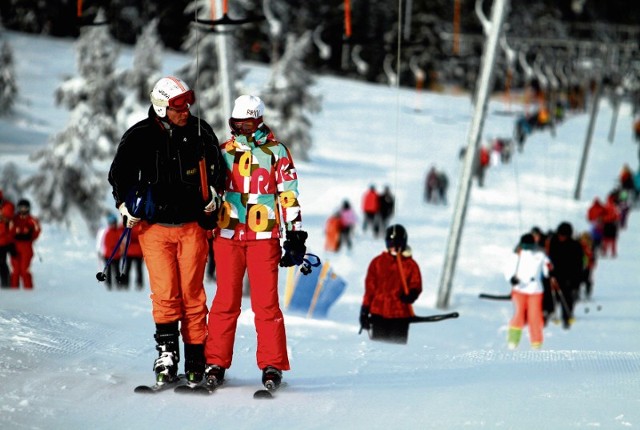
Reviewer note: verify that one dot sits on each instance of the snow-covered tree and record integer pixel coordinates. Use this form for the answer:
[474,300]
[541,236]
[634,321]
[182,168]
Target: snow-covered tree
[70,179]
[288,97]
[10,184]
[8,85]
[139,80]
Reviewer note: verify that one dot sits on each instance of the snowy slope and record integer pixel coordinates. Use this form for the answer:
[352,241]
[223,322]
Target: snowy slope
[71,352]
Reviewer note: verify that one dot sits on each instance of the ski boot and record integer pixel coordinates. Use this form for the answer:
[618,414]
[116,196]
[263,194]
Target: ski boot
[166,365]
[213,376]
[193,363]
[271,378]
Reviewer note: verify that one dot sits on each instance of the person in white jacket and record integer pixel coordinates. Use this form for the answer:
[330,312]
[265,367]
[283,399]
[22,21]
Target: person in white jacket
[530,267]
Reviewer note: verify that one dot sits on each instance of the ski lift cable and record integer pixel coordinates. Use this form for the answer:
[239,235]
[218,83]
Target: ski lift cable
[397,86]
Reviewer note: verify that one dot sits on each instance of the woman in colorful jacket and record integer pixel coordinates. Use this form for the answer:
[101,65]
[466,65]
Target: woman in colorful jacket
[530,266]
[392,284]
[261,182]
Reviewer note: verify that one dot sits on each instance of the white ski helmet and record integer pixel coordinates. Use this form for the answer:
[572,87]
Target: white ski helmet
[171,92]
[247,107]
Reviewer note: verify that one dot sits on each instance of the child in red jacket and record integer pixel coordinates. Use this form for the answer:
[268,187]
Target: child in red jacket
[26,230]
[392,284]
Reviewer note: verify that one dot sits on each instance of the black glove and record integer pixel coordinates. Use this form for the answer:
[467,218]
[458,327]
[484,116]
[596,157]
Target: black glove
[365,323]
[409,298]
[514,280]
[294,249]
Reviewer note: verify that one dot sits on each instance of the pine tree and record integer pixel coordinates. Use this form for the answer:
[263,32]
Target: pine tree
[8,85]
[288,98]
[70,180]
[146,71]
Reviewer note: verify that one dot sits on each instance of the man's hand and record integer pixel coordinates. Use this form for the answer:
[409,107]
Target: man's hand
[215,203]
[128,220]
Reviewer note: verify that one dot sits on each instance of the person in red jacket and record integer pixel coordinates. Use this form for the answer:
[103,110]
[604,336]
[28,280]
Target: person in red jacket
[134,258]
[371,209]
[594,216]
[610,220]
[392,284]
[107,240]
[7,246]
[26,230]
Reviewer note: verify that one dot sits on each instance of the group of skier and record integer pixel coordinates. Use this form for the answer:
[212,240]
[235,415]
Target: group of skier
[171,176]
[18,230]
[555,270]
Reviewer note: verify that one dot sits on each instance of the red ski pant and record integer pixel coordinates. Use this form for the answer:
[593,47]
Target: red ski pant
[175,257]
[260,258]
[528,310]
[20,264]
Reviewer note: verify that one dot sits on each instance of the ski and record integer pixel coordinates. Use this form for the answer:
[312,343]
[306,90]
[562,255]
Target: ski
[433,318]
[156,388]
[199,389]
[269,390]
[495,296]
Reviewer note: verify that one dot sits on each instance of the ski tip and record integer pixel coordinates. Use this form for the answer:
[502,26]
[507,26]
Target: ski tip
[144,389]
[262,394]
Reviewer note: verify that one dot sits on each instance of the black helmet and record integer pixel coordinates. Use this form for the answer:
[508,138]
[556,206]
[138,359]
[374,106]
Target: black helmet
[396,237]
[24,204]
[565,229]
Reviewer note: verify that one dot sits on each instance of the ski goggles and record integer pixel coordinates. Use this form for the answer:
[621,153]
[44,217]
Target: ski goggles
[245,125]
[180,103]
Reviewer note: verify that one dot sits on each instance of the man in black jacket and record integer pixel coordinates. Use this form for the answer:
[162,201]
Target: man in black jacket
[565,254]
[168,174]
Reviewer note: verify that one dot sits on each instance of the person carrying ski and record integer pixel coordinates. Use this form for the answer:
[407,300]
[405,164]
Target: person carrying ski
[7,245]
[26,230]
[167,174]
[392,284]
[531,265]
[261,182]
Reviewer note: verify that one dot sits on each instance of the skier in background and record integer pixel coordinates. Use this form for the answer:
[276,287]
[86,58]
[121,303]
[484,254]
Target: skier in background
[348,221]
[107,240]
[527,270]
[393,282]
[247,239]
[157,176]
[7,245]
[26,230]
[387,206]
[371,209]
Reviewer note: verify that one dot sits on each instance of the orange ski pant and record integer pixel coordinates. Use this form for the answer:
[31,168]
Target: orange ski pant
[176,257]
[528,310]
[20,264]
[260,258]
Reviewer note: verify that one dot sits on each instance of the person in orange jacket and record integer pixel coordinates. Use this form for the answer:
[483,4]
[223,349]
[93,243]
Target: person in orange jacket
[26,230]
[7,245]
[332,229]
[393,282]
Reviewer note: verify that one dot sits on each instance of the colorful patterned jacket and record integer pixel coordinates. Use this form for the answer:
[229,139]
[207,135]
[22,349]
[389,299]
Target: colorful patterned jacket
[261,181]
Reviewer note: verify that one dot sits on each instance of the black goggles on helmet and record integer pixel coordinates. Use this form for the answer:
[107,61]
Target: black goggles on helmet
[245,126]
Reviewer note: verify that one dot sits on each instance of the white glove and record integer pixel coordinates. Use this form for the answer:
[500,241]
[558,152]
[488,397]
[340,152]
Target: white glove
[214,203]
[130,220]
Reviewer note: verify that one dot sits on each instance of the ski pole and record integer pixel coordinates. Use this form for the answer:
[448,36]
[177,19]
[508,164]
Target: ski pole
[123,262]
[102,276]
